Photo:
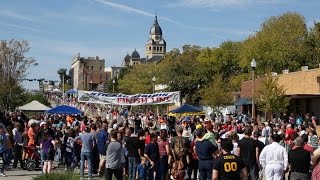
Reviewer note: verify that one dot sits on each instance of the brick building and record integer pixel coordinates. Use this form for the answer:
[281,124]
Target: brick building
[87,73]
[303,88]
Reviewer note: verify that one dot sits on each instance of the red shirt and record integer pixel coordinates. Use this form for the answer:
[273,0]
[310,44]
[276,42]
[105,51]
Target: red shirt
[162,147]
[290,132]
[148,139]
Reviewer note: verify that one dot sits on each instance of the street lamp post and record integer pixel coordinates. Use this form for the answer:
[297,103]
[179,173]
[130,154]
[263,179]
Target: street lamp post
[153,83]
[253,110]
[113,82]
[63,88]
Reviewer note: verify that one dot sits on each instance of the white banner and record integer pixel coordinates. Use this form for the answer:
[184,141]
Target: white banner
[131,100]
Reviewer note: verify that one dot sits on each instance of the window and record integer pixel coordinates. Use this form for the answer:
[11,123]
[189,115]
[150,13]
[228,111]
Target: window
[154,48]
[160,48]
[157,48]
[149,48]
[91,68]
[100,68]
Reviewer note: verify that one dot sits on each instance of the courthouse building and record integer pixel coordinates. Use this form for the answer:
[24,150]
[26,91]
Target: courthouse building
[302,87]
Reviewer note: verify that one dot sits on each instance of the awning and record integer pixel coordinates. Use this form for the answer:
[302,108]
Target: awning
[243,101]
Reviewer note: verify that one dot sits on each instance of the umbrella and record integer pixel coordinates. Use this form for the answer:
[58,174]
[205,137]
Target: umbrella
[32,121]
[71,91]
[64,110]
[186,108]
[56,91]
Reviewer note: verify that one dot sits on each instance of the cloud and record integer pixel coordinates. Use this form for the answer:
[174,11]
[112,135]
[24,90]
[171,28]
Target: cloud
[214,4]
[85,19]
[134,10]
[15,15]
[21,27]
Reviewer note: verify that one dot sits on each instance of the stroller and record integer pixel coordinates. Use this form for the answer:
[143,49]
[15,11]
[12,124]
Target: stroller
[34,158]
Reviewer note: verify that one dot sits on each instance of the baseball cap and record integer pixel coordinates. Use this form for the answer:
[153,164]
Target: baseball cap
[43,123]
[199,126]
[199,132]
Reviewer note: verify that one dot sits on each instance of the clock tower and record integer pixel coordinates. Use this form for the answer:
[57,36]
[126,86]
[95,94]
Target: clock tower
[156,45]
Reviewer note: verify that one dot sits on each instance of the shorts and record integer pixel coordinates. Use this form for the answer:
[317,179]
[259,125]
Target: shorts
[47,157]
[102,157]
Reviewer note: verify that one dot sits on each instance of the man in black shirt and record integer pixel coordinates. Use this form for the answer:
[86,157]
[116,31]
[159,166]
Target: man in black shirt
[249,153]
[299,160]
[228,166]
[151,153]
[134,146]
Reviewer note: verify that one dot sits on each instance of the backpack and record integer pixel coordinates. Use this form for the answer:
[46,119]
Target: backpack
[178,170]
[179,148]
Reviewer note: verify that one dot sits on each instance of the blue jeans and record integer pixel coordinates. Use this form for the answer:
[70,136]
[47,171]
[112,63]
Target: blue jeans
[163,167]
[3,155]
[205,169]
[86,156]
[133,163]
[9,156]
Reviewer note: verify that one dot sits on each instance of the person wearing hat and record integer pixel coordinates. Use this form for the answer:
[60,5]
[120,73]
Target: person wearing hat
[315,160]
[228,166]
[205,151]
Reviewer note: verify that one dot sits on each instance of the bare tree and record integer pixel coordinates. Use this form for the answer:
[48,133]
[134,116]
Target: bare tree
[13,69]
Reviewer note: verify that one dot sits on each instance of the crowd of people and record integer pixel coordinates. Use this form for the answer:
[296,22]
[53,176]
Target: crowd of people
[143,145]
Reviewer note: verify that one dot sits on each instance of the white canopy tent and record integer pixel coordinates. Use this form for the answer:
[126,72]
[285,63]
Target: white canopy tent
[34,106]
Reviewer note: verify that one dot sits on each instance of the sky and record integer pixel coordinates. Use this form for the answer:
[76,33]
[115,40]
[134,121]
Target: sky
[58,30]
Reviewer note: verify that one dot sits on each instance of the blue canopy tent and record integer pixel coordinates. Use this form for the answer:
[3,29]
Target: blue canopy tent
[71,91]
[186,108]
[64,110]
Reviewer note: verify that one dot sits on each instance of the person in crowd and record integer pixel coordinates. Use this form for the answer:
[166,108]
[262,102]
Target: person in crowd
[102,137]
[95,154]
[194,162]
[3,150]
[32,134]
[274,159]
[316,164]
[205,151]
[134,149]
[142,169]
[151,153]
[114,157]
[229,166]
[88,142]
[70,149]
[249,153]
[299,161]
[180,146]
[164,151]
[47,147]
[17,137]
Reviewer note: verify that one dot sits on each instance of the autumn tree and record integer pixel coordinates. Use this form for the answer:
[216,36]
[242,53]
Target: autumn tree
[13,69]
[217,94]
[270,96]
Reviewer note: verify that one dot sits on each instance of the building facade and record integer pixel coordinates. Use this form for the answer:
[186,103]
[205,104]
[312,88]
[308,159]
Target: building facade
[302,87]
[87,73]
[155,48]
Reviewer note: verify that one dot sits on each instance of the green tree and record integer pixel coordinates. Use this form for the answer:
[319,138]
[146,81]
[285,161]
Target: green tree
[278,45]
[29,96]
[181,71]
[217,94]
[13,69]
[313,46]
[137,80]
[270,97]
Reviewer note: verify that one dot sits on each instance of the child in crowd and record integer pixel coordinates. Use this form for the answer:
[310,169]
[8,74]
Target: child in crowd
[142,170]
